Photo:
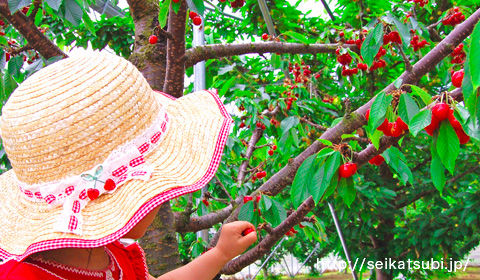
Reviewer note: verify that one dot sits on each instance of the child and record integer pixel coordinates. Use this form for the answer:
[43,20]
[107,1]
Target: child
[94,153]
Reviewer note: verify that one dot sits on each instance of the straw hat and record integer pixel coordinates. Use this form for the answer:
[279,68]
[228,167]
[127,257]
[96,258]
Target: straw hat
[94,149]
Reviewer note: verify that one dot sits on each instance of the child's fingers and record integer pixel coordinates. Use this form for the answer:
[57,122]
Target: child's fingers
[239,226]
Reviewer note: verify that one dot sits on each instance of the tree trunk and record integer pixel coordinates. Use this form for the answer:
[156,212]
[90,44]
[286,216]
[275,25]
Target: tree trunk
[160,243]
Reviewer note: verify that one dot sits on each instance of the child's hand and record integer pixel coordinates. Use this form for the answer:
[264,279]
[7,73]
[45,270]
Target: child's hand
[231,242]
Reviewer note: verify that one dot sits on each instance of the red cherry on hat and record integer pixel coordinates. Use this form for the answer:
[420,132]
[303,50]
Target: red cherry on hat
[93,193]
[109,185]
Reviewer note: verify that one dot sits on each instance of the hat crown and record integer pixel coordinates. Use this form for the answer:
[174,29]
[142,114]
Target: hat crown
[68,117]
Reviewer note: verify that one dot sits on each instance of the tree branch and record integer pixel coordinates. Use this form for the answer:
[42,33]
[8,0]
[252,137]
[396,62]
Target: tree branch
[269,241]
[193,224]
[176,51]
[200,53]
[256,135]
[30,32]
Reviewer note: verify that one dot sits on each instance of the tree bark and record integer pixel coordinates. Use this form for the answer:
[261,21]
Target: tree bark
[160,243]
[149,59]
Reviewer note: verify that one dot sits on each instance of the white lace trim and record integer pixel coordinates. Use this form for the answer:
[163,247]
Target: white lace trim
[75,192]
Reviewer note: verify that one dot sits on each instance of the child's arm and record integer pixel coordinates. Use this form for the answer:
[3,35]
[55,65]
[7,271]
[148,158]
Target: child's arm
[230,244]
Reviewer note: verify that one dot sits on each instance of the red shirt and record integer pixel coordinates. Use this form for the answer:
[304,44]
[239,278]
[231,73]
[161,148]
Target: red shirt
[126,263]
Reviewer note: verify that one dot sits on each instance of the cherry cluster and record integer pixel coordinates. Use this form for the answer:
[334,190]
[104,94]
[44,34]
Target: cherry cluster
[420,3]
[377,160]
[196,19]
[453,17]
[345,59]
[417,44]
[393,129]
[302,73]
[272,150]
[379,62]
[442,112]
[393,37]
[458,55]
[248,198]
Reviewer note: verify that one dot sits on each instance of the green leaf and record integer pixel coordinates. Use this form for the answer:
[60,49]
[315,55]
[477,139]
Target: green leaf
[73,12]
[474,57]
[199,6]
[325,152]
[246,212]
[407,108]
[375,138]
[325,142]
[372,44]
[437,171]
[297,36]
[54,4]
[89,23]
[265,203]
[38,17]
[299,191]
[15,5]
[398,82]
[276,214]
[426,98]
[288,123]
[346,189]
[448,145]
[227,85]
[397,161]
[14,65]
[276,60]
[323,176]
[163,13]
[378,111]
[421,120]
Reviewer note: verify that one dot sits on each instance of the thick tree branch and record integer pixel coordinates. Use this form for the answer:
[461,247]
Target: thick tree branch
[176,51]
[269,241]
[30,32]
[193,224]
[256,135]
[197,54]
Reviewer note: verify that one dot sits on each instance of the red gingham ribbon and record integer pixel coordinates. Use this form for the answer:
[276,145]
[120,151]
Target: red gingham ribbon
[69,190]
[143,148]
[137,161]
[76,207]
[120,171]
[38,195]
[83,195]
[156,137]
[73,223]
[50,199]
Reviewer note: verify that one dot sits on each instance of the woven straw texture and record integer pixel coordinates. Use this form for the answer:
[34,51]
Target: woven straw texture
[68,117]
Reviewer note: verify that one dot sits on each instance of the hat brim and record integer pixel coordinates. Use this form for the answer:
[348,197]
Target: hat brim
[184,162]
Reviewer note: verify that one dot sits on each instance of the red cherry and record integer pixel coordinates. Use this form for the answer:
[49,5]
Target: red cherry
[347,170]
[153,39]
[367,115]
[247,231]
[377,160]
[93,193]
[362,66]
[192,15]
[384,126]
[300,225]
[401,124]
[457,78]
[430,129]
[261,174]
[341,34]
[453,121]
[205,201]
[265,36]
[247,198]
[242,125]
[462,136]
[274,147]
[440,111]
[270,152]
[258,197]
[197,20]
[109,185]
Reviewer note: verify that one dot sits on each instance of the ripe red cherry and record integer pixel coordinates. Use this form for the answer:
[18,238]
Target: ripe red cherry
[153,39]
[401,124]
[367,115]
[457,78]
[205,201]
[261,174]
[347,170]
[265,36]
[247,198]
[242,125]
[341,34]
[440,111]
[274,147]
[257,198]
[270,152]
[197,20]
[377,160]
[247,231]
[430,129]
[192,15]
[384,126]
